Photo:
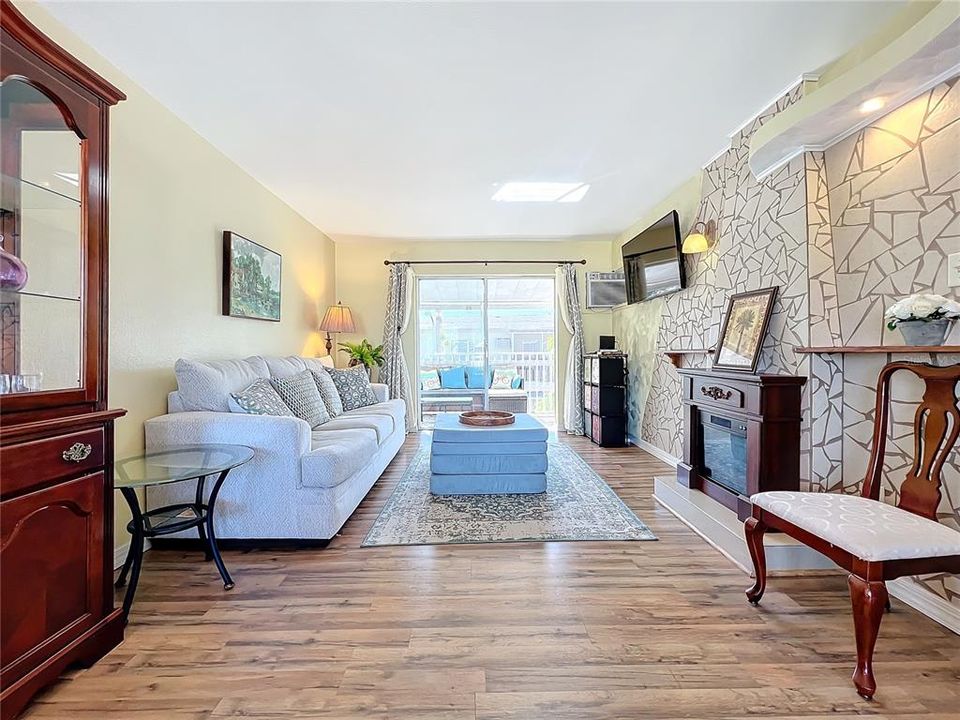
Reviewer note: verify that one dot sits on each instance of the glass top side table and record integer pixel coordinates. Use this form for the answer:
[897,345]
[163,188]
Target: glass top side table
[196,462]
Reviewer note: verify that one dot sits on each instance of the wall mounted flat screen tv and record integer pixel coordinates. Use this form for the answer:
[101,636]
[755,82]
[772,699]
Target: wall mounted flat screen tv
[652,263]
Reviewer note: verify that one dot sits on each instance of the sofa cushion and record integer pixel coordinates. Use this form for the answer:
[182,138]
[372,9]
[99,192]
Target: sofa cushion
[353,385]
[869,529]
[328,391]
[455,377]
[302,396]
[259,398]
[336,456]
[395,409]
[207,385]
[383,425]
[317,363]
[282,367]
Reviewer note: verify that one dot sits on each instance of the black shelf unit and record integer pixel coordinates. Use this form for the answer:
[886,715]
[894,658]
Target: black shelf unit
[605,399]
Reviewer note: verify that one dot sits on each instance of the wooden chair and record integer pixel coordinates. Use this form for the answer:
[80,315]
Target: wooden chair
[872,540]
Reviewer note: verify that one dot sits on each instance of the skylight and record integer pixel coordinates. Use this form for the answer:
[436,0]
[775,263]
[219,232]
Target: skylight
[541,192]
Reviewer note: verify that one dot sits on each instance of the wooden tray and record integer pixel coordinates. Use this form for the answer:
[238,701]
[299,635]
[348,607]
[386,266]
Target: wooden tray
[487,418]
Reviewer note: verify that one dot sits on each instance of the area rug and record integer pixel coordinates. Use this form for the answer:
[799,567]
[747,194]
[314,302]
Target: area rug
[578,505]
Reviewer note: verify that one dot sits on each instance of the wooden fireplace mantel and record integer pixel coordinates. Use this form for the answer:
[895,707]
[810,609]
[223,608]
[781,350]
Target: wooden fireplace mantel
[675,355]
[877,349]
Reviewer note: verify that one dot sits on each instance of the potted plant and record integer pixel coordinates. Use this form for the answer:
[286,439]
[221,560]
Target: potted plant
[923,319]
[363,353]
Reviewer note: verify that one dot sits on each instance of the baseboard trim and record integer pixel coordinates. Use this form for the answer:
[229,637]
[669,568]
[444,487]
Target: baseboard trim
[927,603]
[658,453]
[120,553]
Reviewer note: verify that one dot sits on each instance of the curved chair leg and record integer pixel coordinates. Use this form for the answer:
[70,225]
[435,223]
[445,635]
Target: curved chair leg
[869,600]
[754,530]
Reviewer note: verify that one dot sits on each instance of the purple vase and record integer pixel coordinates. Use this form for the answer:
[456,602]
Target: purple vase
[13,272]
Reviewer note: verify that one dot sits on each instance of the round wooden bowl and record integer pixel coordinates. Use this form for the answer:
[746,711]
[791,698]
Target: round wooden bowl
[487,418]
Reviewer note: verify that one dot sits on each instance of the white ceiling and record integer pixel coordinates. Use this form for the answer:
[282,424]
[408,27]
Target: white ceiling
[399,120]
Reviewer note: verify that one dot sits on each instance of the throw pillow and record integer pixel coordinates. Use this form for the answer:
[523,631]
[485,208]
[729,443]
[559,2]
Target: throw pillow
[353,384]
[302,396]
[475,379]
[455,377]
[328,391]
[429,380]
[503,378]
[259,398]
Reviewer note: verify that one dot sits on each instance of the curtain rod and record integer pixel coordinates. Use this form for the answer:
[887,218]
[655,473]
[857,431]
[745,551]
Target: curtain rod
[483,262]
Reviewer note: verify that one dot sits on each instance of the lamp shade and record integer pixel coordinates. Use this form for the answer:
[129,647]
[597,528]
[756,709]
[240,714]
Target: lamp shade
[695,243]
[337,319]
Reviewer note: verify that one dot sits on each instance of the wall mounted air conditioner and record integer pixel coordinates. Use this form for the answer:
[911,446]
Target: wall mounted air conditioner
[605,290]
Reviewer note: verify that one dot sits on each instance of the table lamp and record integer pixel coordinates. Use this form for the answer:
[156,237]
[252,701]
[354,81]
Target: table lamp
[337,319]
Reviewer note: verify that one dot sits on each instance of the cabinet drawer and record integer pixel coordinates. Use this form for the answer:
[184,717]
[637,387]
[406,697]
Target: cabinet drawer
[36,463]
[706,391]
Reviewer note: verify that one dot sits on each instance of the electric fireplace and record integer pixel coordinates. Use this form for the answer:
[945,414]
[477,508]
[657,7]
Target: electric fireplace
[741,434]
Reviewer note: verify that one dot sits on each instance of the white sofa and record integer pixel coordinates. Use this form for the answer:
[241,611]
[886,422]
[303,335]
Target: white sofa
[301,484]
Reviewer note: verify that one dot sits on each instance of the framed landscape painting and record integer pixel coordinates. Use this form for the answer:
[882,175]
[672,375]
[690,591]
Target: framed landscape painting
[744,325]
[251,279]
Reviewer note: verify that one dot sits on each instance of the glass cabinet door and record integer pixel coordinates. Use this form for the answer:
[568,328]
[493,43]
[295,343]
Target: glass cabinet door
[42,255]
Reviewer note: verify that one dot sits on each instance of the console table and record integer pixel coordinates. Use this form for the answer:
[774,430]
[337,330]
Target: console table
[741,434]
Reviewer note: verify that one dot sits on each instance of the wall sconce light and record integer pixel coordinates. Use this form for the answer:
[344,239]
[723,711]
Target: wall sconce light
[700,239]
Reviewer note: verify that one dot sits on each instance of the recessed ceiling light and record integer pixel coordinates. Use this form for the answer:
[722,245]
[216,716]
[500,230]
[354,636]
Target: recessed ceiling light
[541,192]
[872,105]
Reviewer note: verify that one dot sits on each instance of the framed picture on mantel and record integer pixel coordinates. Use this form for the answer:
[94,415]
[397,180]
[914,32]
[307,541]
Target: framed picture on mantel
[744,327]
[251,279]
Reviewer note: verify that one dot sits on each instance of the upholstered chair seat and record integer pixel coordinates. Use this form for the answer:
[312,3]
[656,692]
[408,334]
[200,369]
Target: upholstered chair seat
[869,529]
[873,541]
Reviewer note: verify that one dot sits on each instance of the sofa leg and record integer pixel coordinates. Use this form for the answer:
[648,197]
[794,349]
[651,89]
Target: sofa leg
[754,530]
[868,599]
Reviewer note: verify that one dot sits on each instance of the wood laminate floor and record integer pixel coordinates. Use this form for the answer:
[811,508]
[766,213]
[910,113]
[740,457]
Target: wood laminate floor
[526,631]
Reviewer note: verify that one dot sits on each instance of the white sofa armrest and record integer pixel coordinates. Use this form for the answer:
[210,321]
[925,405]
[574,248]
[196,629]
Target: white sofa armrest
[381,391]
[288,435]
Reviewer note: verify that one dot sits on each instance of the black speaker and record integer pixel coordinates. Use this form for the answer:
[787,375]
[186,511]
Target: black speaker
[608,342]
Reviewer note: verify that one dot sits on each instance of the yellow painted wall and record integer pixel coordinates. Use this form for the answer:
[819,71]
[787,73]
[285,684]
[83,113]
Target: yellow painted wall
[171,196]
[362,278]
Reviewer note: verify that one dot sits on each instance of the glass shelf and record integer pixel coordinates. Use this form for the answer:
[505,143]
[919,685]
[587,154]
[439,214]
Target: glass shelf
[32,196]
[27,293]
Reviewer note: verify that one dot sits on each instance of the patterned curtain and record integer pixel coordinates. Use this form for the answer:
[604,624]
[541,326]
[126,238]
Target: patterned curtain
[573,321]
[394,371]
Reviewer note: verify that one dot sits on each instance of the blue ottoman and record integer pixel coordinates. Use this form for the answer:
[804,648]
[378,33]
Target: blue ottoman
[471,460]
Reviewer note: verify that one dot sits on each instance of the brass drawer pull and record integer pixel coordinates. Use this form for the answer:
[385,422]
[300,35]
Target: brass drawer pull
[78,452]
[716,393]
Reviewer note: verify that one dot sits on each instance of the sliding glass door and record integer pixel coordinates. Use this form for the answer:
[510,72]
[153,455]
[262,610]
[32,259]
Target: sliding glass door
[486,342]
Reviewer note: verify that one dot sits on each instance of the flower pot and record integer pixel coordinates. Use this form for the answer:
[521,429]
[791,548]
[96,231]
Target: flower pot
[924,332]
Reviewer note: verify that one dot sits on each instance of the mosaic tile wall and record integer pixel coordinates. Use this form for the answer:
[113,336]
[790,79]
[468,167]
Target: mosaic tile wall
[843,233]
[761,241]
[894,205]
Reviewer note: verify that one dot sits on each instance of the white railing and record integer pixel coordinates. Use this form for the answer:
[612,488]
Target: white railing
[538,370]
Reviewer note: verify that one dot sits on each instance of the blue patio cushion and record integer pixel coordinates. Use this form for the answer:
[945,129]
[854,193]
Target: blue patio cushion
[455,377]
[516,383]
[487,464]
[471,448]
[467,484]
[448,428]
[475,379]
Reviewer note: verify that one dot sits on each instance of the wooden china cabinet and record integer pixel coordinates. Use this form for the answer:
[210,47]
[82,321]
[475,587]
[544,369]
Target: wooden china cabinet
[56,432]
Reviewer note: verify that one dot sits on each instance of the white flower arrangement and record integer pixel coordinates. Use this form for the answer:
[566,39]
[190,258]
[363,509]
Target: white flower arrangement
[922,307]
